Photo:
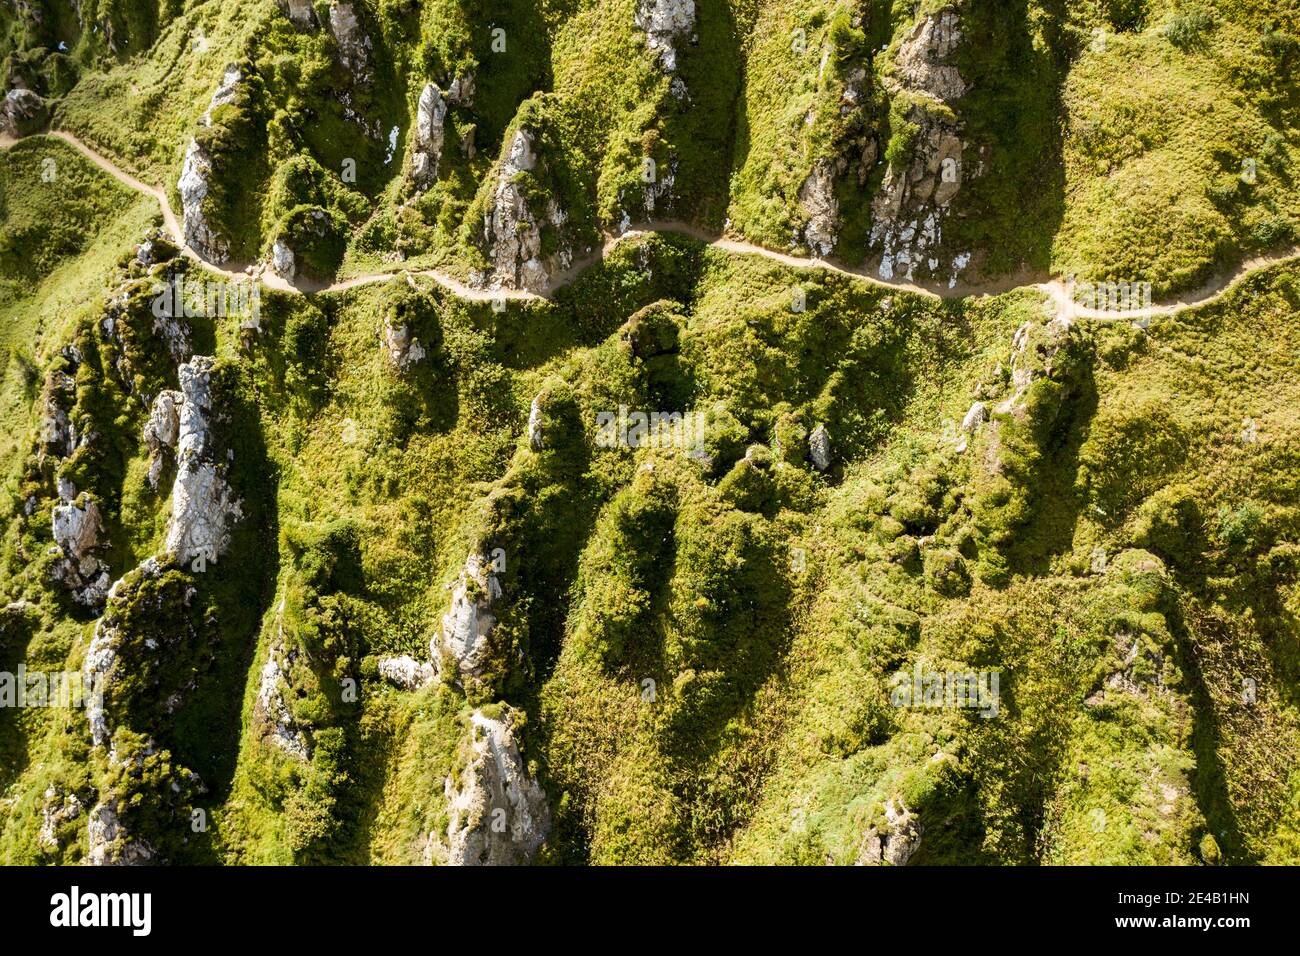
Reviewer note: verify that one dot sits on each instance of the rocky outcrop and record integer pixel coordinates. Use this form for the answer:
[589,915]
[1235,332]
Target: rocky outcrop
[271,711]
[202,502]
[301,14]
[512,231]
[535,437]
[665,23]
[57,435]
[461,91]
[818,203]
[924,60]
[499,815]
[196,179]
[406,672]
[23,112]
[109,844]
[894,843]
[161,431]
[283,261]
[430,128]
[404,350]
[77,526]
[59,808]
[819,448]
[462,640]
[909,210]
[354,46]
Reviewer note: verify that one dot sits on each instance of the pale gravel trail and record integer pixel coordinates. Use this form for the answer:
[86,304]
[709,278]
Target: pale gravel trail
[1056,290]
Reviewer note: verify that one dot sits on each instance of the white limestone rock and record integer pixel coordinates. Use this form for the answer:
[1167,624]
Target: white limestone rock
[202,502]
[535,438]
[499,815]
[665,23]
[818,202]
[512,230]
[109,844]
[462,640]
[271,710]
[406,672]
[76,526]
[283,261]
[301,14]
[894,844]
[430,132]
[162,430]
[354,46]
[195,182]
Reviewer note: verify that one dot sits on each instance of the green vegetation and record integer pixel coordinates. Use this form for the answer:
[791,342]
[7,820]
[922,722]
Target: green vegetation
[700,645]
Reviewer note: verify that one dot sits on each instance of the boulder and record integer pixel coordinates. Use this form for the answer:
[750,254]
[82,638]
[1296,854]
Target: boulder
[819,448]
[406,672]
[23,112]
[283,261]
[404,349]
[498,813]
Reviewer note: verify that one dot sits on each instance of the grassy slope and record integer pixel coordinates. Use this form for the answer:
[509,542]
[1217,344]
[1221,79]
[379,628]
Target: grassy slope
[770,735]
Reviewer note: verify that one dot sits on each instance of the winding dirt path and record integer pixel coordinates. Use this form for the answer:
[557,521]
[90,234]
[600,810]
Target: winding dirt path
[1058,292]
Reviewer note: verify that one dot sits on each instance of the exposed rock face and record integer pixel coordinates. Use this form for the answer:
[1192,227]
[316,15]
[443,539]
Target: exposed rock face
[353,45]
[162,431]
[819,448]
[59,808]
[461,91]
[499,815]
[76,532]
[202,502]
[58,435]
[22,112]
[818,202]
[406,672]
[914,198]
[976,416]
[109,843]
[924,58]
[404,349]
[512,231]
[535,439]
[196,178]
[270,708]
[301,14]
[283,261]
[898,841]
[430,127]
[463,638]
[664,23]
